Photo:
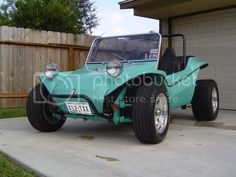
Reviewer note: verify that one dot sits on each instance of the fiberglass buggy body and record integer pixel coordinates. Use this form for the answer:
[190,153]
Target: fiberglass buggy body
[124,80]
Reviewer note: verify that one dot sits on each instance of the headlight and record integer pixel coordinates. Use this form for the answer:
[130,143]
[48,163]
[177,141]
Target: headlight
[114,68]
[51,69]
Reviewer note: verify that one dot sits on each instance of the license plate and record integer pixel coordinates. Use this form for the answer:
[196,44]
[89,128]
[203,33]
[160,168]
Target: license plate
[78,108]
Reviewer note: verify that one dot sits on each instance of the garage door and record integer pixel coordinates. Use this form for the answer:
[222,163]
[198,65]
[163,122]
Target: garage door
[212,37]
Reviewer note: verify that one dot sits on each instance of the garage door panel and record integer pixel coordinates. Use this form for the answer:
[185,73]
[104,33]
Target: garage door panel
[186,28]
[226,52]
[209,73]
[226,71]
[203,27]
[226,40]
[227,23]
[179,47]
[205,52]
[228,106]
[228,97]
[212,37]
[227,85]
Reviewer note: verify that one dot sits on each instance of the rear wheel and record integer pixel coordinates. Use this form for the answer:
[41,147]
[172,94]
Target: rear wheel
[38,111]
[205,103]
[151,114]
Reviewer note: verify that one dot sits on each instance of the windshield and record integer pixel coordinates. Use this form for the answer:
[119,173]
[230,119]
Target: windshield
[125,48]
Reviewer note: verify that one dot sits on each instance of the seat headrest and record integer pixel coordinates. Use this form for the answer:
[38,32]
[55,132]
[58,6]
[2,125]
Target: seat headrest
[169,52]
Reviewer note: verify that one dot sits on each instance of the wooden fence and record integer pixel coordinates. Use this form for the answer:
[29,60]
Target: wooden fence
[24,52]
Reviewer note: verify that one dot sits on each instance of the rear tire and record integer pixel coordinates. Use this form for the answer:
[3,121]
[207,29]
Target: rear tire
[151,115]
[38,111]
[205,103]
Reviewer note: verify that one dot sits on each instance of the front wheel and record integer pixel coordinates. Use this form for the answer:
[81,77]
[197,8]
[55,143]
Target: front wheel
[39,113]
[205,103]
[151,114]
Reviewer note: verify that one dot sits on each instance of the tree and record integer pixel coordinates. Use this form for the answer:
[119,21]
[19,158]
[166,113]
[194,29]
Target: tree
[72,16]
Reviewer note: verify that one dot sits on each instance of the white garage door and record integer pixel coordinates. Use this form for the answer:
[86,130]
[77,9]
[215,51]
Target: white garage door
[212,37]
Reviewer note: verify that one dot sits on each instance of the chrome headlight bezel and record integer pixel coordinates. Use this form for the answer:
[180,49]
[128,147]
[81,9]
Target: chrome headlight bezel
[114,68]
[51,69]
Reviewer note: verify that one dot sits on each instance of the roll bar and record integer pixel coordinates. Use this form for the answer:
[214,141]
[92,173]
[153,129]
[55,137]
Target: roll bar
[170,36]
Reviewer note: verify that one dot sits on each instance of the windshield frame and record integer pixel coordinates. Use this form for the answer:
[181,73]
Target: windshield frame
[123,36]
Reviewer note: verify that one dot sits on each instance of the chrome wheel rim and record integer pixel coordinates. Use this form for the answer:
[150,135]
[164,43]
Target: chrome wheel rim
[161,113]
[214,100]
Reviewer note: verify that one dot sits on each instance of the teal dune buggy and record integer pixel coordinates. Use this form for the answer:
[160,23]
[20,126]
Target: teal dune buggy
[125,80]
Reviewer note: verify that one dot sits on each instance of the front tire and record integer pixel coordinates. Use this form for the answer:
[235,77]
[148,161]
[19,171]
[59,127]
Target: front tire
[151,115]
[205,103]
[38,111]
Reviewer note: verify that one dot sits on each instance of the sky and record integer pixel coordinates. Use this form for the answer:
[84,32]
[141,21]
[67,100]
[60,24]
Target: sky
[114,21]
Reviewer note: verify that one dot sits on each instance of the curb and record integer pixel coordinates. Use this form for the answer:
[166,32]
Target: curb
[22,165]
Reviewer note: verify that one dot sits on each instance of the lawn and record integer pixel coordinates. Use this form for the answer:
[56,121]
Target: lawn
[11,113]
[9,169]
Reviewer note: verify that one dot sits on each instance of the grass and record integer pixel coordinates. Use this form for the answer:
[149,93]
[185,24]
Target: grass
[9,169]
[12,113]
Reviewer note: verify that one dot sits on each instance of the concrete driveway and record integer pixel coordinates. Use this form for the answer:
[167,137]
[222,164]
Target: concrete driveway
[99,149]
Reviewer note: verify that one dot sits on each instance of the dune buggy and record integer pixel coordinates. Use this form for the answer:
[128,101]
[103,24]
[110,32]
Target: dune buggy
[125,80]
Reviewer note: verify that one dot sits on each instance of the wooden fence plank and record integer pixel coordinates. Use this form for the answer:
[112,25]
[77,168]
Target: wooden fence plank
[29,58]
[5,86]
[24,52]
[21,65]
[13,66]
[54,55]
[64,53]
[4,60]
[57,53]
[50,39]
[35,59]
[21,62]
[43,54]
[70,40]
